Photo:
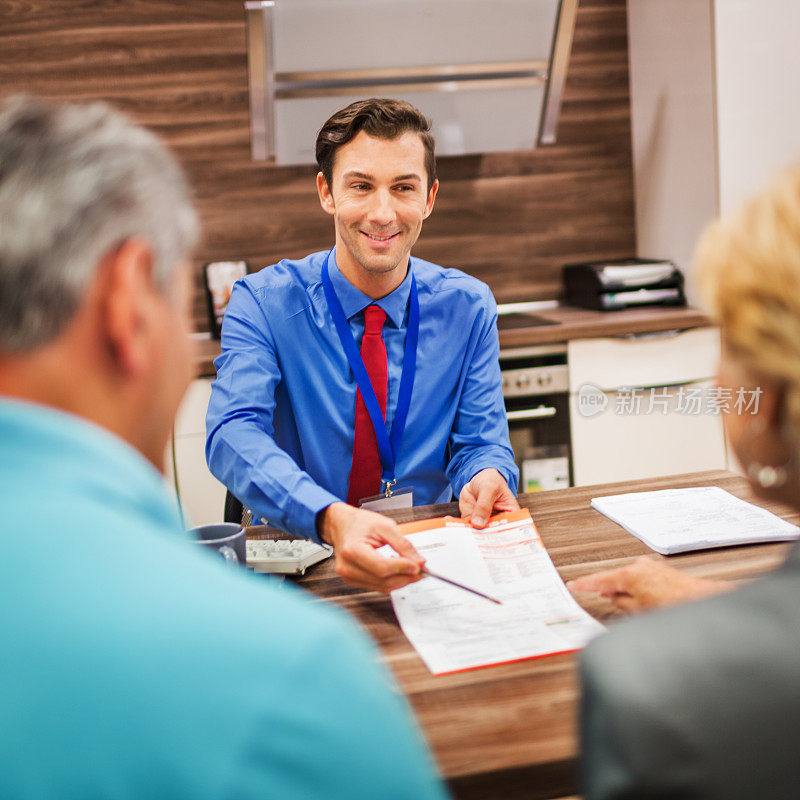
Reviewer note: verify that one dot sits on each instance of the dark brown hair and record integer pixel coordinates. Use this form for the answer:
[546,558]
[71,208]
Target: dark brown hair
[382,118]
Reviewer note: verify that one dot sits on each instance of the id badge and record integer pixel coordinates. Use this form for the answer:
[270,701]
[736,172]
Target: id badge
[402,498]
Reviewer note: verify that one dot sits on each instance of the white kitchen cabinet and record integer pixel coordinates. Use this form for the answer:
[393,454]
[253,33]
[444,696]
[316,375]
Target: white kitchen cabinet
[202,495]
[465,63]
[713,115]
[462,119]
[310,35]
[640,406]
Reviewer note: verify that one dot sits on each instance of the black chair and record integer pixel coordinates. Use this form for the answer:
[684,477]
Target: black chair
[236,512]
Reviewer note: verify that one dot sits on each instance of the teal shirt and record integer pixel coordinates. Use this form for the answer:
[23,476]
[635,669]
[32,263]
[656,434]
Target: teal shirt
[134,664]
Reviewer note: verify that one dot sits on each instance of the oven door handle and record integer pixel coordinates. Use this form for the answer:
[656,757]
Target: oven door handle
[531,413]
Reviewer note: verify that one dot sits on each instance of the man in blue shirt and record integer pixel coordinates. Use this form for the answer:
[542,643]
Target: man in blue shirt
[135,663]
[284,408]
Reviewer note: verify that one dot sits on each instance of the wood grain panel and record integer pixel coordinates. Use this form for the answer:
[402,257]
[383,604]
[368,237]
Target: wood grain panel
[181,68]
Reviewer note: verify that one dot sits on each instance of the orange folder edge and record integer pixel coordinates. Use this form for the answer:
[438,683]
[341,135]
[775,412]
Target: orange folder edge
[439,522]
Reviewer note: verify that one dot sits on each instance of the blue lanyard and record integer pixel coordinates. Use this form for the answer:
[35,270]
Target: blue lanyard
[388,444]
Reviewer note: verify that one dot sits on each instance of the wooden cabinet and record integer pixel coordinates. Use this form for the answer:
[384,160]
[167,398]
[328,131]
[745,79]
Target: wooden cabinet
[202,496]
[643,406]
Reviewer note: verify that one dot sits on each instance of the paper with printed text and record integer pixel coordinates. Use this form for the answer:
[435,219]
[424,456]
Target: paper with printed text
[454,630]
[678,520]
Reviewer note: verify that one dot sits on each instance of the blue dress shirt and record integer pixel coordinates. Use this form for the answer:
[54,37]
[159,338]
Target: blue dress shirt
[136,664]
[282,412]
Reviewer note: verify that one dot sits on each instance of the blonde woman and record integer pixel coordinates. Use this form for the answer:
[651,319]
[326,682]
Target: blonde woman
[703,700]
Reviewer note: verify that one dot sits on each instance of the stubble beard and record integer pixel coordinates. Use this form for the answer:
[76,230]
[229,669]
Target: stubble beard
[374,264]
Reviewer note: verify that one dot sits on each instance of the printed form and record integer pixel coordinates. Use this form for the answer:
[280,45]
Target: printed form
[454,630]
[678,520]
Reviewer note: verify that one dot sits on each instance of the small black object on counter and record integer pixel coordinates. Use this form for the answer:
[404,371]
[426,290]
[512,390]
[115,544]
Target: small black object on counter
[628,283]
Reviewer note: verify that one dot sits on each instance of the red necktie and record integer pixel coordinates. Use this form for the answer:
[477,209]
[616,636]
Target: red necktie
[365,472]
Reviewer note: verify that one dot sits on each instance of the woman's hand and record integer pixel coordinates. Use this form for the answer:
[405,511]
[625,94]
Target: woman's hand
[645,584]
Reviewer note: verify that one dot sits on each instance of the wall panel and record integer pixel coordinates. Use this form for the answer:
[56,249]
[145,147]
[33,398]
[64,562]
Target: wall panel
[181,68]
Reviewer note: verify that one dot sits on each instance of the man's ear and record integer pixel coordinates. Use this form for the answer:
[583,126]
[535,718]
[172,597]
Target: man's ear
[128,303]
[431,198]
[325,196]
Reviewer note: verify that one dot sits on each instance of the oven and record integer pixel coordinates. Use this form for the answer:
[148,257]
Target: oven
[536,394]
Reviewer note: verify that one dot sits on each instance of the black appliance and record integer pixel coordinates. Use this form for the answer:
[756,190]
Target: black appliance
[617,285]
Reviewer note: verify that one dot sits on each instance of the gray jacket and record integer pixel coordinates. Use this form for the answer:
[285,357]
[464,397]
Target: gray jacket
[698,701]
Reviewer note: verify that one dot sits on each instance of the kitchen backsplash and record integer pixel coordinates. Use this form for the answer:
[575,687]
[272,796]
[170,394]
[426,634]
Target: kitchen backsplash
[511,219]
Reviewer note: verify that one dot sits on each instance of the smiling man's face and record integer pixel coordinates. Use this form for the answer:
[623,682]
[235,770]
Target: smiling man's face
[379,200]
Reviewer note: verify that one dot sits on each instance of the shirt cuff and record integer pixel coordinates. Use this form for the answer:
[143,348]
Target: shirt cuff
[510,474]
[302,518]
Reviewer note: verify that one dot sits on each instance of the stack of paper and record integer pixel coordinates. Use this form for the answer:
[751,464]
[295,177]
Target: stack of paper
[676,520]
[454,630]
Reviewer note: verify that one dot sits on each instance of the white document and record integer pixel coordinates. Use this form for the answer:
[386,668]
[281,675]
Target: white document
[454,630]
[676,520]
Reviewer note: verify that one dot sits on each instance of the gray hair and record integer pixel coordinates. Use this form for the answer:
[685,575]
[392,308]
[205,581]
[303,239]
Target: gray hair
[77,180]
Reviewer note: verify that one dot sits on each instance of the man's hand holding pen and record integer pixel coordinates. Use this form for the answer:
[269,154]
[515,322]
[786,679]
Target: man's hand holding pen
[356,534]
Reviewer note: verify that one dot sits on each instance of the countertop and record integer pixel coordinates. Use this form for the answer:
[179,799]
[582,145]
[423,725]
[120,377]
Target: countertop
[570,323]
[580,323]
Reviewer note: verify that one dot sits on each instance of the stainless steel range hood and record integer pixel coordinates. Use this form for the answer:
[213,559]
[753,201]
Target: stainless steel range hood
[489,73]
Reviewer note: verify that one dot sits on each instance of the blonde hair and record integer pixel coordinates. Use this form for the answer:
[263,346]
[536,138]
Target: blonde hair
[748,270]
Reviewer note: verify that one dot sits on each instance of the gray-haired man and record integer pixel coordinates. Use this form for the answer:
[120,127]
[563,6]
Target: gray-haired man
[134,665]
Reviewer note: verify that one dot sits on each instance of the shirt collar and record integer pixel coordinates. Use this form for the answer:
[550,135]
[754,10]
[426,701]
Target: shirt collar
[354,300]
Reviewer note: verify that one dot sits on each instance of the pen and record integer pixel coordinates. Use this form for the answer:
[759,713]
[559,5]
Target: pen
[426,571]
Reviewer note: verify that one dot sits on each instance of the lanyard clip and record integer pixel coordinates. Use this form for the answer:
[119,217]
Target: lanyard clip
[387,487]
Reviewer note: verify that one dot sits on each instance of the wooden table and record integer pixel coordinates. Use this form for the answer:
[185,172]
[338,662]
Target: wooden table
[510,731]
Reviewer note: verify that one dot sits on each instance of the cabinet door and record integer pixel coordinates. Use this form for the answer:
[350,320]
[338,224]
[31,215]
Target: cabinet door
[660,437]
[202,496]
[650,410]
[463,121]
[658,359]
[423,33]
[464,63]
